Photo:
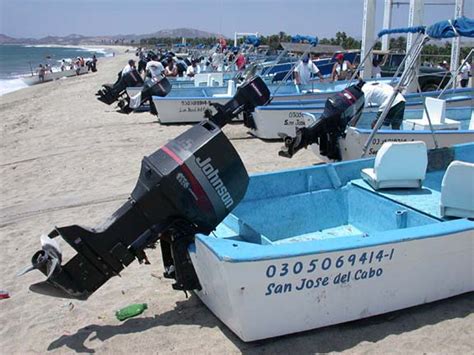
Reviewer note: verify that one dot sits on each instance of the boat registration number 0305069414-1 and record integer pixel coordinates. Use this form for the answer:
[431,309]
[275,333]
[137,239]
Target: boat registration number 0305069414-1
[366,265]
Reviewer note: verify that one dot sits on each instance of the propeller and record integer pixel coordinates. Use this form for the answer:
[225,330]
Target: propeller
[47,260]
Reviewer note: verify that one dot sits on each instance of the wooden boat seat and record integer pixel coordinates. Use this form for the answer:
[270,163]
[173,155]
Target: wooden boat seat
[457,190]
[398,165]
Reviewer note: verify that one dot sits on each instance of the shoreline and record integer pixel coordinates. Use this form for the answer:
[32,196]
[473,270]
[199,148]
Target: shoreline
[15,83]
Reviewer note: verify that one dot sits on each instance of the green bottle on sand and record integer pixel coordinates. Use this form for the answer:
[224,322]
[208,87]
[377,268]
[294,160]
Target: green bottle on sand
[131,311]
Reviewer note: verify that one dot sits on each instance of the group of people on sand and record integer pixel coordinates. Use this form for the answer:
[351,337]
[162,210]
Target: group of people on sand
[75,64]
[167,63]
[224,59]
[175,67]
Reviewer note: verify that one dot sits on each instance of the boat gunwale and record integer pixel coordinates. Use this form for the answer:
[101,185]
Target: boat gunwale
[228,250]
[225,251]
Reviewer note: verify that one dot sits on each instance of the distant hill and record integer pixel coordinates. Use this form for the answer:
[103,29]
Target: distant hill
[76,39]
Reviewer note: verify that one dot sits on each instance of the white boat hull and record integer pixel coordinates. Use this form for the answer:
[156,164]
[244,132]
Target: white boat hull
[33,80]
[190,110]
[352,145]
[184,110]
[300,293]
[270,122]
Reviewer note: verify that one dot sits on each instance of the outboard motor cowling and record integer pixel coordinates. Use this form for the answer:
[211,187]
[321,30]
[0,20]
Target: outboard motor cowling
[152,87]
[340,109]
[109,93]
[188,186]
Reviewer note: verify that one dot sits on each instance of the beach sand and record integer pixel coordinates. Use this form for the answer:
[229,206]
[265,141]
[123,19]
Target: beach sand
[67,158]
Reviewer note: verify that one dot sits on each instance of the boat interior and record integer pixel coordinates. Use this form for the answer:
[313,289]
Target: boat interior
[336,206]
[458,117]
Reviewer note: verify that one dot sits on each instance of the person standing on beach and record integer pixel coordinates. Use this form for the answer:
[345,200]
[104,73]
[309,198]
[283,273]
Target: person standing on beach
[94,63]
[171,69]
[129,67]
[465,70]
[142,61]
[192,69]
[240,61]
[376,70]
[77,65]
[41,72]
[217,60]
[303,70]
[154,69]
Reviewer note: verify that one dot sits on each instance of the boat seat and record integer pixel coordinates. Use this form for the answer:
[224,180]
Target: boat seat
[398,165]
[436,111]
[215,78]
[457,190]
[200,79]
[471,122]
[230,90]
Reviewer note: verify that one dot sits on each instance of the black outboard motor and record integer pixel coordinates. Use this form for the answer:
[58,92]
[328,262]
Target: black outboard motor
[109,93]
[188,186]
[340,109]
[151,88]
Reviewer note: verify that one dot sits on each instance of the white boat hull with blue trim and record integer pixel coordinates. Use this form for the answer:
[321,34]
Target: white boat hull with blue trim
[185,105]
[351,146]
[317,246]
[277,118]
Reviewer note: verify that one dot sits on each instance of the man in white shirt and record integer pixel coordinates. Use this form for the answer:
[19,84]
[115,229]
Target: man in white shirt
[378,94]
[376,70]
[128,68]
[192,69]
[465,70]
[155,69]
[303,70]
[217,61]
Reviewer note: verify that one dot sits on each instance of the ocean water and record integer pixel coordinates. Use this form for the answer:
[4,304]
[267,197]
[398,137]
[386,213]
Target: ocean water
[21,60]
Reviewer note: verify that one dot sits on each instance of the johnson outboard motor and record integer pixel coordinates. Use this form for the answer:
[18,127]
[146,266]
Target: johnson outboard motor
[109,93]
[152,87]
[188,186]
[339,110]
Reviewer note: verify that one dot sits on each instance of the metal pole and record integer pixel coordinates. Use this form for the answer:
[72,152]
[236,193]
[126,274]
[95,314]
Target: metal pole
[361,65]
[456,72]
[269,69]
[306,52]
[415,18]
[406,77]
[387,22]
[456,41]
[431,125]
[419,38]
[368,26]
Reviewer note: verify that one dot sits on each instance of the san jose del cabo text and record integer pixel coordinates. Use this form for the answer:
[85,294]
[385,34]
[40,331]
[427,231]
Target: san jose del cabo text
[318,274]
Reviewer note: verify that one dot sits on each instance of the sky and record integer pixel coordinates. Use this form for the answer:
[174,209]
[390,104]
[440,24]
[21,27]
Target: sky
[322,18]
